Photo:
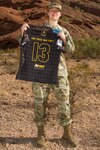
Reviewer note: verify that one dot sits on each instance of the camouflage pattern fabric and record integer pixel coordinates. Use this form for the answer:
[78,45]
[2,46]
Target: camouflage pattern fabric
[62,90]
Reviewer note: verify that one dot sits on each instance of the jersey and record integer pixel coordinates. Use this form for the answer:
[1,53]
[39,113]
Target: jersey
[39,56]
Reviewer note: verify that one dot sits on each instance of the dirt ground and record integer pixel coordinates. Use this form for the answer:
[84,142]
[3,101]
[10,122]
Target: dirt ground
[17,128]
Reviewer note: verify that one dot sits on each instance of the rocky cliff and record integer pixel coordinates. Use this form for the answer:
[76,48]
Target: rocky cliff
[81,18]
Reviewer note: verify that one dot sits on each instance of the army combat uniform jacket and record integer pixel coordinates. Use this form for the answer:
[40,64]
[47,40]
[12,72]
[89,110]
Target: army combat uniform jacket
[62,90]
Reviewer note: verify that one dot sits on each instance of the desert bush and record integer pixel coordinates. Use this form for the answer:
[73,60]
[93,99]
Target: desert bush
[87,48]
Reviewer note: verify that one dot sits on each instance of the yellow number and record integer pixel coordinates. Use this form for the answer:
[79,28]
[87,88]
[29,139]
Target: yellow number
[35,51]
[45,52]
[41,52]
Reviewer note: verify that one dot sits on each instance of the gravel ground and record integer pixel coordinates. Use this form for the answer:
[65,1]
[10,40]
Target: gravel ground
[17,128]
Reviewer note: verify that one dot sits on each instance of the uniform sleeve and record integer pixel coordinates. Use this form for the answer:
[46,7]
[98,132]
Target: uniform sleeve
[19,39]
[69,44]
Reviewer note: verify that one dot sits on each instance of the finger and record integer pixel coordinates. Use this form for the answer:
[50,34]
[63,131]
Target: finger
[62,36]
[27,25]
[24,27]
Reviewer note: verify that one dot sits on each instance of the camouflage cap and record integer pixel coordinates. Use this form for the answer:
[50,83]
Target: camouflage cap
[55,5]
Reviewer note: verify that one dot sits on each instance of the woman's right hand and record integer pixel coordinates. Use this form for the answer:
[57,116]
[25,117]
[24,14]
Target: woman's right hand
[24,28]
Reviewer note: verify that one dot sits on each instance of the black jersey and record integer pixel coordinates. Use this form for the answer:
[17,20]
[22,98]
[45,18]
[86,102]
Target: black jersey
[39,56]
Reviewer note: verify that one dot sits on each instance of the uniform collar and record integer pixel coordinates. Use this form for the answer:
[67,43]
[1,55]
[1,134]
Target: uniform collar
[56,27]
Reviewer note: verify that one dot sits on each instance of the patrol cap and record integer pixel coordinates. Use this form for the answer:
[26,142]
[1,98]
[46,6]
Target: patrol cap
[55,5]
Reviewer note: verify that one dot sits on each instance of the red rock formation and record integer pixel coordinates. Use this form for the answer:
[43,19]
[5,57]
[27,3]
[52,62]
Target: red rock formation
[81,18]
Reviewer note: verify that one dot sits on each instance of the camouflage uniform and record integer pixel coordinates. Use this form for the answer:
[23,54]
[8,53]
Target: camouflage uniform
[41,91]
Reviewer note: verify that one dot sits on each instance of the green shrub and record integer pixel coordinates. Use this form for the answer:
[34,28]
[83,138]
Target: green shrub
[87,48]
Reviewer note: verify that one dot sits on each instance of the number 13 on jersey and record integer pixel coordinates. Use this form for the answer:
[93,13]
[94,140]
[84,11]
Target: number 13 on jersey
[41,52]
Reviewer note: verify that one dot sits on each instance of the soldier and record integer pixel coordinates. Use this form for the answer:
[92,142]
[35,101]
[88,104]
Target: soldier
[62,90]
